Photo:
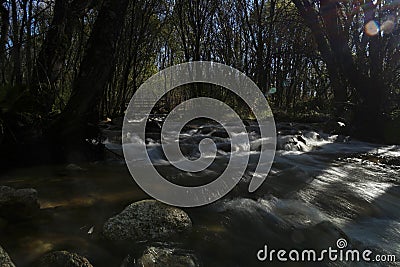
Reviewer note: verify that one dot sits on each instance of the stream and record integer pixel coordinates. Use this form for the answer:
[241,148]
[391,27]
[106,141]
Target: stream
[321,187]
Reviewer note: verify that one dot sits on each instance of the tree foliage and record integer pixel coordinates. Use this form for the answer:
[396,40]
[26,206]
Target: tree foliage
[84,59]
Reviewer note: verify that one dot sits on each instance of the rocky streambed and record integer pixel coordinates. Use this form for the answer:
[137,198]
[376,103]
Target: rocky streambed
[323,186]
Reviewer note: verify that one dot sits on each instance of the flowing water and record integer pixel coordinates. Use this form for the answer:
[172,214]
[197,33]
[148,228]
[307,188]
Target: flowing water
[320,187]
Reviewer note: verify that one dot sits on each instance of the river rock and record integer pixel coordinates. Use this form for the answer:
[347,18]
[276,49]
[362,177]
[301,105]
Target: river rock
[291,143]
[162,257]
[146,220]
[64,259]
[18,204]
[5,260]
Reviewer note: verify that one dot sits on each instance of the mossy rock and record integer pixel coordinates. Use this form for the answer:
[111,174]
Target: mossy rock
[146,220]
[163,257]
[62,258]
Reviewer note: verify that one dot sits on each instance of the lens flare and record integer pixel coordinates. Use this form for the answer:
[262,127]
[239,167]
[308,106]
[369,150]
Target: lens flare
[372,28]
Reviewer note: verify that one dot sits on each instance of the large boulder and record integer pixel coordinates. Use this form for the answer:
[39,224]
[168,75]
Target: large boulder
[18,204]
[146,220]
[62,258]
[5,260]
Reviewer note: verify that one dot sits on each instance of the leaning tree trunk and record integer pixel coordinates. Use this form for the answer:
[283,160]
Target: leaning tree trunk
[51,59]
[72,127]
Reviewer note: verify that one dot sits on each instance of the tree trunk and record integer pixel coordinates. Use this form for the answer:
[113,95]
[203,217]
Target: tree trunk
[51,59]
[5,24]
[310,16]
[16,45]
[335,51]
[73,126]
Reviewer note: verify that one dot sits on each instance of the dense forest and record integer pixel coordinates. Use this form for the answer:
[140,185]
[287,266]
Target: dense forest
[65,65]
